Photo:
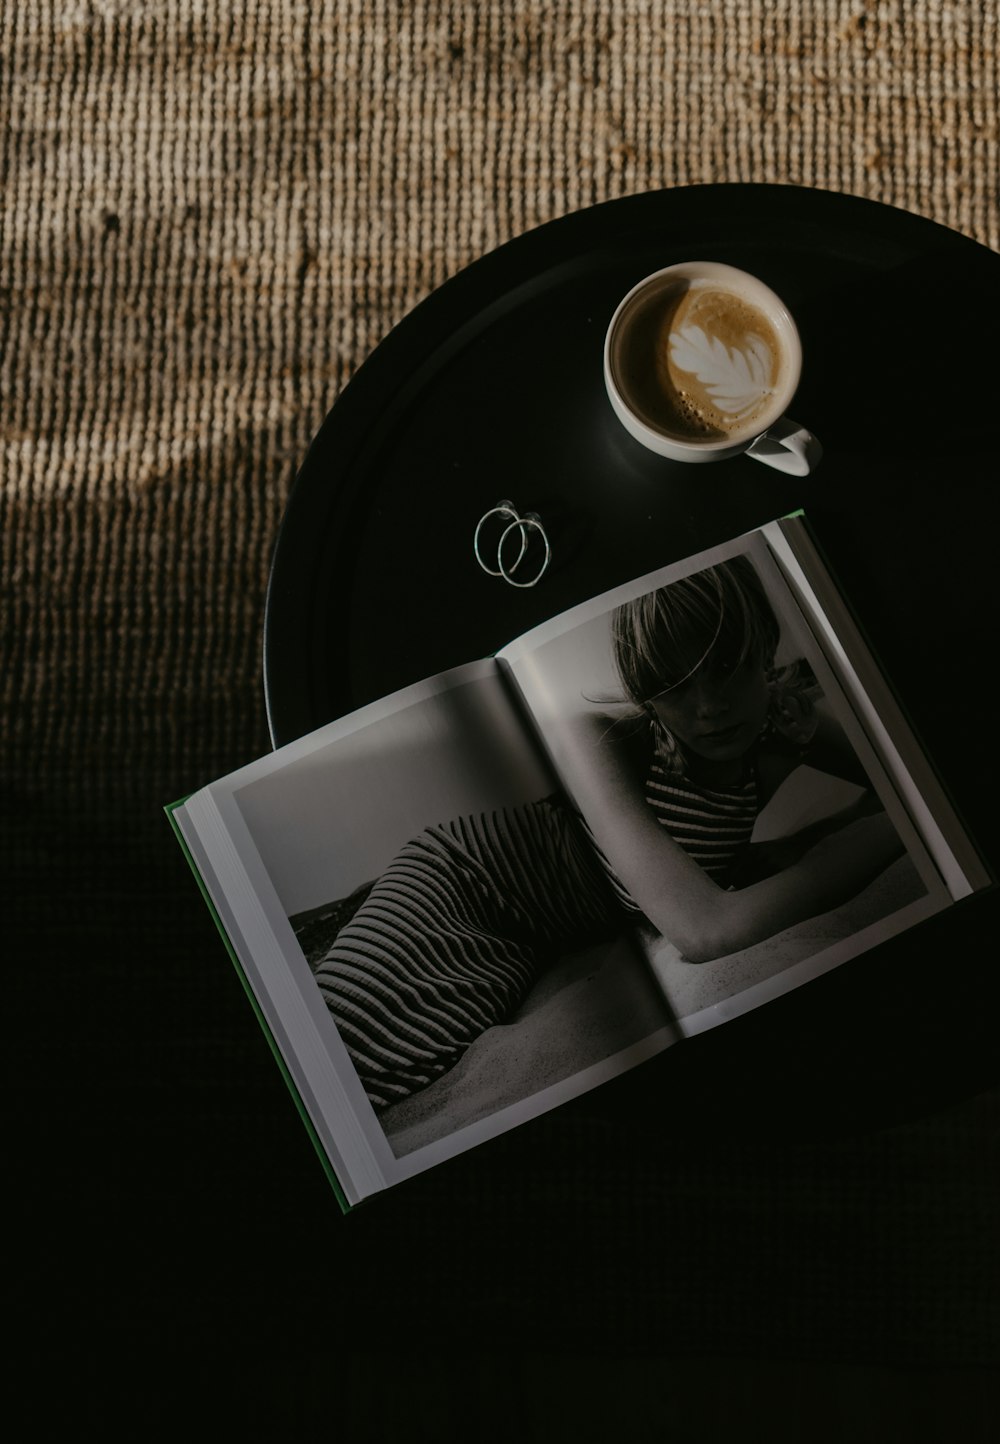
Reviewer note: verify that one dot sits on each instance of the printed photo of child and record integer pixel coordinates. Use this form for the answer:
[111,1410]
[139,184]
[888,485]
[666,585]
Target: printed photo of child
[691,823]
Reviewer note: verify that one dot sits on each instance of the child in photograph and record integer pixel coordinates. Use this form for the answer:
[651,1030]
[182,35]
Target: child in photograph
[468,915]
[710,730]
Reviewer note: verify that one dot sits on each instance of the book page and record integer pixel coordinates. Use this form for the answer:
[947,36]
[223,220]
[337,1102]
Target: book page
[413,905]
[958,860]
[742,832]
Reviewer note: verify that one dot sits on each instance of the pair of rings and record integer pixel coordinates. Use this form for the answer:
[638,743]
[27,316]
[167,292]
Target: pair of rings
[531,532]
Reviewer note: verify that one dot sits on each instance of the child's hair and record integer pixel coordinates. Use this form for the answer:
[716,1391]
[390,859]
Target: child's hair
[717,616]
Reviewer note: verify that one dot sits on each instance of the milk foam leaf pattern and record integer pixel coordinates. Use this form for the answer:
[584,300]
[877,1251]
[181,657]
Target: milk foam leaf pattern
[736,380]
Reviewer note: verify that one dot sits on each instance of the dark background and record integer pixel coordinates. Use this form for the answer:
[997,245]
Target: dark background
[784,1229]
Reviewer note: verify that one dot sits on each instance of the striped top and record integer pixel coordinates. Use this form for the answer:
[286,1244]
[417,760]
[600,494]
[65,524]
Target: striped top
[454,934]
[712,824]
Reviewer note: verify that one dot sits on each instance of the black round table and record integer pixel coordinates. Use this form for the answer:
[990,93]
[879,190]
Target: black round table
[492,388]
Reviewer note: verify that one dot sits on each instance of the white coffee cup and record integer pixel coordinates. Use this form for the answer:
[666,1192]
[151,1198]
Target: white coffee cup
[701,361]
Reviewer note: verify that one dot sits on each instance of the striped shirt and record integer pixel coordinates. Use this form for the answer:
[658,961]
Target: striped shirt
[712,824]
[454,934]
[458,928]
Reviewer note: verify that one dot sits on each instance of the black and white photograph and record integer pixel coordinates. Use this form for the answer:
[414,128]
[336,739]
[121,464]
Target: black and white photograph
[741,813]
[497,889]
[453,914]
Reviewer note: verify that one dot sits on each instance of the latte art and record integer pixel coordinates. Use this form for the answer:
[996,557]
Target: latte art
[698,361]
[721,359]
[701,362]
[737,379]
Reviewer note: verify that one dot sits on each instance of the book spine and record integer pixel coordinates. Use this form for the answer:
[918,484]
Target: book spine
[170,810]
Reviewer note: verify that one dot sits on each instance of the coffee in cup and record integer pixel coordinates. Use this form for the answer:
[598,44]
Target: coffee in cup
[700,362]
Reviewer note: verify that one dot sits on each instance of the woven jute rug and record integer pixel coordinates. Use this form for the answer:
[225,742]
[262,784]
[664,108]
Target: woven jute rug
[210,214]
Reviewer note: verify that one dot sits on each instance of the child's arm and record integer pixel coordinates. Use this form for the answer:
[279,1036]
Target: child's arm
[763,859]
[677,896]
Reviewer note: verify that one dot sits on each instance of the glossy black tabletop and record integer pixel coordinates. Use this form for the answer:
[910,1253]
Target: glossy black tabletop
[493,387]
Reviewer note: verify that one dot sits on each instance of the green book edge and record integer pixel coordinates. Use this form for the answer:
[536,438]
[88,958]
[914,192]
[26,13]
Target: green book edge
[346,1207]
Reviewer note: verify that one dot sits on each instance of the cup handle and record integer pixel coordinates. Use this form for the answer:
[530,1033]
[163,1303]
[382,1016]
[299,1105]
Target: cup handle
[787,446]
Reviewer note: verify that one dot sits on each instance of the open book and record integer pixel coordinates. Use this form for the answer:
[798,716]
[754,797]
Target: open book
[464,904]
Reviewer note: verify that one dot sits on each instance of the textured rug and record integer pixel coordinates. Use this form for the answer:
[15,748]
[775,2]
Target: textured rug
[210,214]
